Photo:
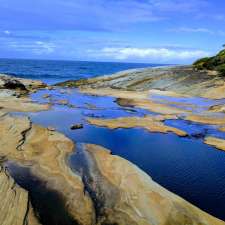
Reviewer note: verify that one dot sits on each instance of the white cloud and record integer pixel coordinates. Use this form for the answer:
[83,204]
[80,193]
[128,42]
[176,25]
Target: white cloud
[37,47]
[192,30]
[7,32]
[150,54]
[197,30]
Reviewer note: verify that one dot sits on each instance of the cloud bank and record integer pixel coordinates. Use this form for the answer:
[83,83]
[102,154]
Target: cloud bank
[150,54]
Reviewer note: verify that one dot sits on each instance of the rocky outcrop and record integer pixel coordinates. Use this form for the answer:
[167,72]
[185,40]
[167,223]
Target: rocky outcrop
[102,189]
[150,123]
[180,79]
[10,82]
[13,94]
[46,154]
[123,194]
[206,119]
[136,99]
[217,108]
[15,206]
[216,142]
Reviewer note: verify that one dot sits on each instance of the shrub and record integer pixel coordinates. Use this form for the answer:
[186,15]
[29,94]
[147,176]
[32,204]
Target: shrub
[221,69]
[201,63]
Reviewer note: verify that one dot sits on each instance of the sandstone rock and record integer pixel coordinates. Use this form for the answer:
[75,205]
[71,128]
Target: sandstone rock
[129,196]
[15,206]
[216,142]
[217,108]
[24,104]
[46,153]
[150,123]
[205,119]
[183,80]
[222,129]
[63,102]
[46,96]
[136,99]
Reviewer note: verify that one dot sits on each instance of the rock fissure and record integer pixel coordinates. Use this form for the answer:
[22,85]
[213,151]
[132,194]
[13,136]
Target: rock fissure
[24,134]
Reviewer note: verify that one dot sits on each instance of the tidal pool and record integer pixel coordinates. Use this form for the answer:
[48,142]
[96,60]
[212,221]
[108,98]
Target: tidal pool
[185,166]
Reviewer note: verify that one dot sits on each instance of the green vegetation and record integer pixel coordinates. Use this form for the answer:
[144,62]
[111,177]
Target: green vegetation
[216,63]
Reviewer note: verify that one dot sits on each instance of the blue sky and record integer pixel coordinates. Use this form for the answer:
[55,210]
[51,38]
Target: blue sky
[169,31]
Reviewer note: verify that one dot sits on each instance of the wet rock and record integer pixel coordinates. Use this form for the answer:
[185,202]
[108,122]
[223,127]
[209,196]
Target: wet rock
[136,99]
[150,123]
[222,129]
[51,128]
[216,142]
[15,207]
[205,119]
[199,135]
[46,154]
[50,88]
[76,126]
[46,96]
[126,195]
[63,102]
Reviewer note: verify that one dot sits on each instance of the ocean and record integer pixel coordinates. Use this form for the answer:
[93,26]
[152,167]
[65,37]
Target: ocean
[52,71]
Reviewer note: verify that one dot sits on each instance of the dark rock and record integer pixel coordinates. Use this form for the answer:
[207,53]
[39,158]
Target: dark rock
[14,84]
[76,126]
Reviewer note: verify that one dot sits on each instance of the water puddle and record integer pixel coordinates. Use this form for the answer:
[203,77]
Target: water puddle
[48,205]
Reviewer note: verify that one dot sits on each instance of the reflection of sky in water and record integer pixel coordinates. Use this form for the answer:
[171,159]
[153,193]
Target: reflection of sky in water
[201,103]
[196,128]
[185,166]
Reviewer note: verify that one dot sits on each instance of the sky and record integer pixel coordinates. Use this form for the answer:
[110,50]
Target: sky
[149,31]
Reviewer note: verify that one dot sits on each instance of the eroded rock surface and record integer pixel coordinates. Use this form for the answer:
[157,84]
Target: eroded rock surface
[181,79]
[151,123]
[216,142]
[15,206]
[10,82]
[127,195]
[205,119]
[46,153]
[136,99]
[13,94]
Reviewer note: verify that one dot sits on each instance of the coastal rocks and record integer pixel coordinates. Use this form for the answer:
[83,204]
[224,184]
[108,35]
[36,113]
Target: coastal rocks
[63,102]
[150,123]
[180,79]
[11,103]
[10,82]
[11,90]
[222,129]
[15,207]
[217,108]
[151,106]
[126,195]
[46,154]
[136,99]
[212,120]
[216,142]
[46,96]
[76,126]
[116,93]
[14,84]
